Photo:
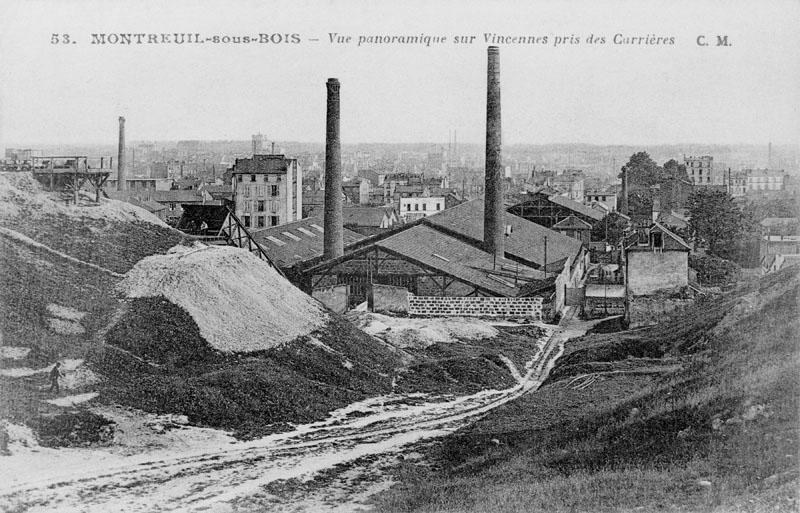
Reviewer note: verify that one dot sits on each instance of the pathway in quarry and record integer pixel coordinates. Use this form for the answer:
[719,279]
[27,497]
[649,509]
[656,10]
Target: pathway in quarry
[330,465]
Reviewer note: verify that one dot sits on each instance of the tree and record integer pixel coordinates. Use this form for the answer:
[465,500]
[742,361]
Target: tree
[716,220]
[643,171]
[640,204]
[610,229]
[673,170]
[713,270]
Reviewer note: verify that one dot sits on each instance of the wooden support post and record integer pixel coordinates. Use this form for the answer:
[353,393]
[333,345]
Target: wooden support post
[75,184]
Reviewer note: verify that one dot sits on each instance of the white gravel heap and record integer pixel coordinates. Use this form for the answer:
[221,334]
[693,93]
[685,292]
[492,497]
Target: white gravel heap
[410,332]
[238,301]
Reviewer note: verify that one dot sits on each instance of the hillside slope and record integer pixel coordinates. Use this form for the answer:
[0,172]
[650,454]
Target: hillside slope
[696,414]
[138,317]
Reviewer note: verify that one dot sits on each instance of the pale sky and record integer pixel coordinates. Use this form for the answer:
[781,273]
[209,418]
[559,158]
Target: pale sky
[604,94]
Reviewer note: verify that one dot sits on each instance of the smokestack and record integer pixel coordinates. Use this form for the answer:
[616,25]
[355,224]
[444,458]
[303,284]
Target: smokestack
[493,227]
[122,178]
[334,245]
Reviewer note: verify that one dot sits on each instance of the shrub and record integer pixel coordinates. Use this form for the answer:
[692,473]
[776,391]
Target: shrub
[712,270]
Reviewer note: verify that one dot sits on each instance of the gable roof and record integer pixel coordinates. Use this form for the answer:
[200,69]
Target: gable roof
[675,237]
[633,243]
[364,216]
[525,243]
[576,207]
[672,220]
[298,246]
[456,258]
[572,223]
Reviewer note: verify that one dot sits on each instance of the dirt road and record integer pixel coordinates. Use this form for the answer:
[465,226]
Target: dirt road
[327,465]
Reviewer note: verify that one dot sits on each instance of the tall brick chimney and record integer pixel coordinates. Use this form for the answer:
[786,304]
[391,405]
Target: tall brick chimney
[493,227]
[334,244]
[122,182]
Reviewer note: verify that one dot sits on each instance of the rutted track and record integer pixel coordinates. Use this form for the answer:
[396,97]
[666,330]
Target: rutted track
[192,481]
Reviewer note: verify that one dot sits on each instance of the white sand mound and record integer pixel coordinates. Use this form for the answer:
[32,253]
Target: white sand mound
[408,332]
[238,301]
[21,194]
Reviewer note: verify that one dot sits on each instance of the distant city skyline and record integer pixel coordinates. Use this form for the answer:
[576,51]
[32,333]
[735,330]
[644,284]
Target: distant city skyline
[641,95]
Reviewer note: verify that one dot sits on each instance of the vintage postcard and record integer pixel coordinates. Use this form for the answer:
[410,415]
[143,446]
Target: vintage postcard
[348,255]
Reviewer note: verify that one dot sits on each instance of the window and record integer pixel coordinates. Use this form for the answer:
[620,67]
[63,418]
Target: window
[246,206]
[260,206]
[658,241]
[238,178]
[274,220]
[273,190]
[260,220]
[246,220]
[424,206]
[408,207]
[252,178]
[416,206]
[438,206]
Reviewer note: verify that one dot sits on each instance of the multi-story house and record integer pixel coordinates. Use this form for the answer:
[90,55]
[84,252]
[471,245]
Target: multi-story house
[701,170]
[267,190]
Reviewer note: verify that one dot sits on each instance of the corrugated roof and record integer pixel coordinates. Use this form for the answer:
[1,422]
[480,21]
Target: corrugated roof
[455,258]
[576,207]
[294,242]
[526,241]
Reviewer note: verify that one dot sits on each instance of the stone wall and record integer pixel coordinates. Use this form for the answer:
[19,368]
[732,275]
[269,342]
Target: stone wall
[500,307]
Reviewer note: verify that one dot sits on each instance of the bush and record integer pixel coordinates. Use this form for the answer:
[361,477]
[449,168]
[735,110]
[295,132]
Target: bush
[712,270]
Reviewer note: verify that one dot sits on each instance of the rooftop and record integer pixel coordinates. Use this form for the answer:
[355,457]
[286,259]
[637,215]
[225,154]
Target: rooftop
[572,223]
[364,216]
[456,258]
[526,241]
[261,164]
[576,207]
[302,240]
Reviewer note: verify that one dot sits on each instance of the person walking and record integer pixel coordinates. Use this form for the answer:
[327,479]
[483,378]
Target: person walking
[55,373]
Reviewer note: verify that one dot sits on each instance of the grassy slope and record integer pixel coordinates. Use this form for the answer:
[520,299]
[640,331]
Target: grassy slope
[719,434]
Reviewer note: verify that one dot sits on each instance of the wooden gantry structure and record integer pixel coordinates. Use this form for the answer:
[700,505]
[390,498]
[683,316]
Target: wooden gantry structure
[70,173]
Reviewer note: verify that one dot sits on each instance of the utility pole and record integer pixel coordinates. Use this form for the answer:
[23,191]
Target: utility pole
[545,257]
